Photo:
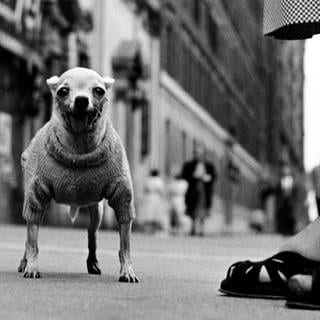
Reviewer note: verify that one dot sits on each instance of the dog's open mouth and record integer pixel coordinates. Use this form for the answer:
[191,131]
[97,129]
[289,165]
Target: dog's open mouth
[82,121]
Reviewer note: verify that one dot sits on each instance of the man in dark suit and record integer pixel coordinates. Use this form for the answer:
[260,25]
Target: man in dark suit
[200,175]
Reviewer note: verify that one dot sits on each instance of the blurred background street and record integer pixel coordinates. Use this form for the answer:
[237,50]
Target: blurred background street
[192,77]
[205,105]
[179,278]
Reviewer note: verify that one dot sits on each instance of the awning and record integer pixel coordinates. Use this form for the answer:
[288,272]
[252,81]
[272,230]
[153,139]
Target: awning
[291,19]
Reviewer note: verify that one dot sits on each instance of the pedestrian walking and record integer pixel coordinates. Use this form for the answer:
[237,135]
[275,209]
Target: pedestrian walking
[176,189]
[200,175]
[301,204]
[267,200]
[257,220]
[315,179]
[153,214]
[296,266]
[285,220]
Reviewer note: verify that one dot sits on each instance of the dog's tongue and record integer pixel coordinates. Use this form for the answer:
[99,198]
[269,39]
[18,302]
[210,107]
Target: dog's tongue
[79,122]
[79,115]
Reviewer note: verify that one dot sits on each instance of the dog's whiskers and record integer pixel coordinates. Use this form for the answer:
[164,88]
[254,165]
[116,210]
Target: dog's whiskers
[98,109]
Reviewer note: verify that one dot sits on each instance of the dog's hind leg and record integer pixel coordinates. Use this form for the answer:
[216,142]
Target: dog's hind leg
[96,214]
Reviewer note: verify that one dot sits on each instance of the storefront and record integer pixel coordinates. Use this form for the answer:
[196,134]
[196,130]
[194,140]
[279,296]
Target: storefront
[19,65]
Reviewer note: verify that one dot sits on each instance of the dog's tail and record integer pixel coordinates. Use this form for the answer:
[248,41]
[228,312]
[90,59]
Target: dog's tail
[73,213]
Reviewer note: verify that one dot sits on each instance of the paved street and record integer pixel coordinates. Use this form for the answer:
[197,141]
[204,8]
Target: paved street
[179,278]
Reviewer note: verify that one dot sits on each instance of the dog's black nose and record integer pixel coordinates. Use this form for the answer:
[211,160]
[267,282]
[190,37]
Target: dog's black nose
[81,103]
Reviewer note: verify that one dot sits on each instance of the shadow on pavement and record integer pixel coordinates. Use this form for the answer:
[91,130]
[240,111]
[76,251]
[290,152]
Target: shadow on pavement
[58,277]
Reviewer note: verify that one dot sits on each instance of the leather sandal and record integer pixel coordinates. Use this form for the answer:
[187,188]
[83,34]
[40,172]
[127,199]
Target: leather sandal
[267,278]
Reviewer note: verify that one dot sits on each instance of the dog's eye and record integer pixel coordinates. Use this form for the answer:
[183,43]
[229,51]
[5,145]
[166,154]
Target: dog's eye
[63,92]
[98,92]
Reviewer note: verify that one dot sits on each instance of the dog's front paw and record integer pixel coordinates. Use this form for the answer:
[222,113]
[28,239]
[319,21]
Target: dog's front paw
[22,265]
[93,266]
[127,273]
[32,269]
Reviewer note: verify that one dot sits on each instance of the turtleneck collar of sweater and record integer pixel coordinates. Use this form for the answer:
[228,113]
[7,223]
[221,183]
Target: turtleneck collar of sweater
[61,154]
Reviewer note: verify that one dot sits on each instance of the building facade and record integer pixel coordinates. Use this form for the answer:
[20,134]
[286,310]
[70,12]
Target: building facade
[207,78]
[37,39]
[19,64]
[189,74]
[249,87]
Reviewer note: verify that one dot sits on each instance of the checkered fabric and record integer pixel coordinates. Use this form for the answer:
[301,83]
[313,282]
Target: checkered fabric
[291,19]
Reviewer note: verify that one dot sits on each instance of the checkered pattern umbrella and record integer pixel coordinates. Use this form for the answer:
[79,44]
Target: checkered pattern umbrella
[291,19]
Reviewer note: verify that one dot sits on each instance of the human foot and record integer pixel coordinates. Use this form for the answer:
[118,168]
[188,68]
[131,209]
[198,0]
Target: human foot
[264,279]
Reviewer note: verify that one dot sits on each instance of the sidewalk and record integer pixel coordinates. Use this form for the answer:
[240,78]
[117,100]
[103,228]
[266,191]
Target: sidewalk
[179,278]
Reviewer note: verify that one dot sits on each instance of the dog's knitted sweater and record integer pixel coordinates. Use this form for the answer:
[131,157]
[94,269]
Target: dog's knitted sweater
[53,172]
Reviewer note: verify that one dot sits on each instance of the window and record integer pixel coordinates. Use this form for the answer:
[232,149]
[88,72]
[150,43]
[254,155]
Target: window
[184,145]
[145,132]
[169,53]
[192,70]
[8,9]
[211,29]
[10,3]
[168,148]
[196,11]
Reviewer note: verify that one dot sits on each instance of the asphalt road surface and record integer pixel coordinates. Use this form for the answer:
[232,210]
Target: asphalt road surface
[179,277]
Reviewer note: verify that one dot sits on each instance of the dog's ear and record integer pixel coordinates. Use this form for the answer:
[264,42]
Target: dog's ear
[108,82]
[52,82]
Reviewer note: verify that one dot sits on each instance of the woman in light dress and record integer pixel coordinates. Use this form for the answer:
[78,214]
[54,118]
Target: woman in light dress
[153,214]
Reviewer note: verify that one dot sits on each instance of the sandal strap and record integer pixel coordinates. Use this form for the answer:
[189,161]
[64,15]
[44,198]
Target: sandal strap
[295,263]
[236,265]
[283,264]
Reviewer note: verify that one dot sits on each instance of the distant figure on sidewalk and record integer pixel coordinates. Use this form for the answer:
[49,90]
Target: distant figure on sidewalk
[285,220]
[200,175]
[315,179]
[180,223]
[257,220]
[153,214]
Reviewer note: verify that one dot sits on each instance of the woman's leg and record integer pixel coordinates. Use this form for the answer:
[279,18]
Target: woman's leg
[268,278]
[306,242]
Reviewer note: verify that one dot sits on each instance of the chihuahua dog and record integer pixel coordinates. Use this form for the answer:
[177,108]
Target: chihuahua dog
[77,159]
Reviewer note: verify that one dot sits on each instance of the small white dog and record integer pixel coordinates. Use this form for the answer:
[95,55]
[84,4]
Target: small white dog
[77,159]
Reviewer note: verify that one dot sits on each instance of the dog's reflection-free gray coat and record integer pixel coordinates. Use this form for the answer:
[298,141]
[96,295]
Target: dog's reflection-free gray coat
[53,172]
